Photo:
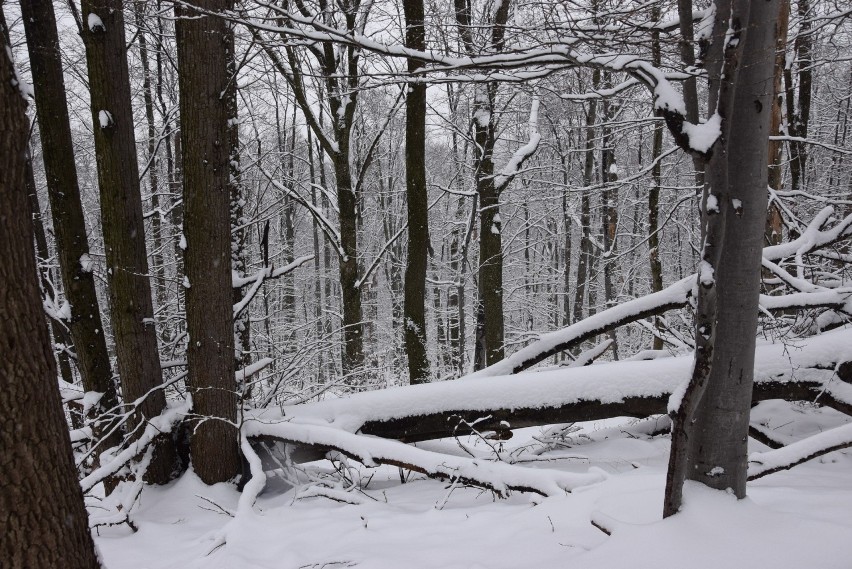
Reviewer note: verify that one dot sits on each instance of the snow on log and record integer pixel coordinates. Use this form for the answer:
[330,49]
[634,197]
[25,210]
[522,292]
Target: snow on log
[804,370]
[784,458]
[499,477]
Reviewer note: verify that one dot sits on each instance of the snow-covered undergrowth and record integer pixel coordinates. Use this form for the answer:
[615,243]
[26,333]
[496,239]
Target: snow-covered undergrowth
[792,519]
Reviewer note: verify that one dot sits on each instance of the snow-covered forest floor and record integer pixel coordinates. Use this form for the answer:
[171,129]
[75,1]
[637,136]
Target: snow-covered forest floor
[793,519]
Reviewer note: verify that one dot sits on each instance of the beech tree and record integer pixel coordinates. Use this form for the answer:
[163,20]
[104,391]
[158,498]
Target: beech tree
[42,518]
[710,421]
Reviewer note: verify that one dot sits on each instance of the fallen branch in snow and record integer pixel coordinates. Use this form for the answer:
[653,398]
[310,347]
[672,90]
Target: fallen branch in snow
[764,463]
[498,477]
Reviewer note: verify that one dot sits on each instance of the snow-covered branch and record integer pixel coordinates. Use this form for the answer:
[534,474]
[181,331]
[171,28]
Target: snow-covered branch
[764,463]
[499,477]
[522,154]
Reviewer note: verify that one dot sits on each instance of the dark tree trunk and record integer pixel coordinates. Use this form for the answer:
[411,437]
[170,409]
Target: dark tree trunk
[72,244]
[609,217]
[710,424]
[123,226]
[239,232]
[585,254]
[42,518]
[774,225]
[415,190]
[797,122]
[203,55]
[654,193]
[159,276]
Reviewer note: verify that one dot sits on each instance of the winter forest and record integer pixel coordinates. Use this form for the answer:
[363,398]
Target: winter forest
[473,284]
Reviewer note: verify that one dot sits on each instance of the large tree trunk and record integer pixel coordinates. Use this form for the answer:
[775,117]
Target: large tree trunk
[203,54]
[42,518]
[123,226]
[415,190]
[711,420]
[72,244]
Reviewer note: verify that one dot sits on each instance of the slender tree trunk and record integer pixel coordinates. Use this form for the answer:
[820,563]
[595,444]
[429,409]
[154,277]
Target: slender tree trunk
[238,191]
[797,122]
[159,277]
[774,224]
[654,193]
[710,423]
[609,217]
[69,226]
[584,258]
[123,226]
[417,203]
[42,518]
[203,55]
[490,323]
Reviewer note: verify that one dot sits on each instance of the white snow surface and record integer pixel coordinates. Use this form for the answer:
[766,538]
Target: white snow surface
[793,519]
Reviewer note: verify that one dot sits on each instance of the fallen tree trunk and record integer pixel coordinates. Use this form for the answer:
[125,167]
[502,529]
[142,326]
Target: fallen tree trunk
[566,395]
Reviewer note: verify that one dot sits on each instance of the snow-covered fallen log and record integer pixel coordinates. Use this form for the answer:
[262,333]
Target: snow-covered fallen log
[499,477]
[784,458]
[803,370]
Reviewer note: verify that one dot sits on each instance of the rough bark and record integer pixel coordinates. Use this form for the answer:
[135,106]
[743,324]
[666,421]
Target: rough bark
[203,55]
[72,244]
[128,282]
[711,422]
[654,193]
[417,206]
[42,518]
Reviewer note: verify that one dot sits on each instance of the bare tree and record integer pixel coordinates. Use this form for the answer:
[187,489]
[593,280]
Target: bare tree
[42,518]
[710,422]
[131,305]
[203,55]
[415,186]
[72,242]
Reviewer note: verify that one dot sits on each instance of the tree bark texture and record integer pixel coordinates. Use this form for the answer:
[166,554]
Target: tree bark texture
[654,192]
[202,46]
[72,244]
[132,309]
[42,519]
[415,190]
[711,423]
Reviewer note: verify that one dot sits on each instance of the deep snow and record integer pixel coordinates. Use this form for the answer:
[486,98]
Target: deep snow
[793,519]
